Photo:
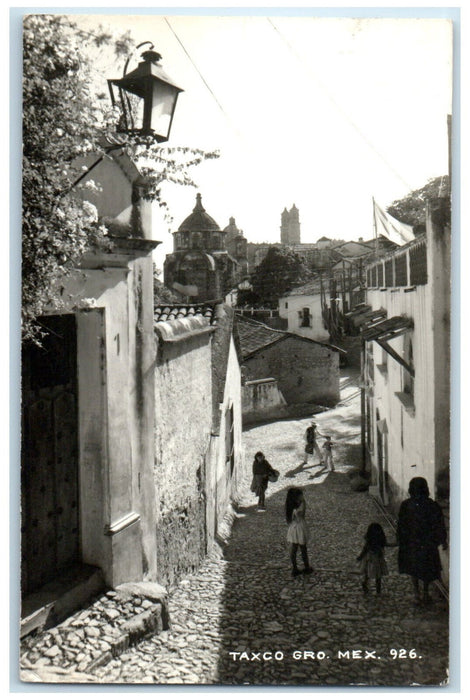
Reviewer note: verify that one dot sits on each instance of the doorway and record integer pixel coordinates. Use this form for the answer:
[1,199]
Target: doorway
[382,460]
[49,455]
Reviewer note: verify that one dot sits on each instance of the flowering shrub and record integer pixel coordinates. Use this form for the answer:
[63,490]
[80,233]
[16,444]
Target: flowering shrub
[64,119]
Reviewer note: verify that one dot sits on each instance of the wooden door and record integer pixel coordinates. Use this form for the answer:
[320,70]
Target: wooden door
[380,465]
[50,534]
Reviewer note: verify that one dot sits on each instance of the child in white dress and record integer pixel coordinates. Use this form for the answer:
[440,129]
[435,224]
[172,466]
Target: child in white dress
[327,455]
[297,534]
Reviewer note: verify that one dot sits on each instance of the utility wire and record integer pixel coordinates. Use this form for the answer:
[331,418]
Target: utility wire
[338,106]
[193,63]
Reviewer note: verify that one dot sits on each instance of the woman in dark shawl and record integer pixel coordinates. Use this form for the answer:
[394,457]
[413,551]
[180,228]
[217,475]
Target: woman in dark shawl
[421,530]
[261,471]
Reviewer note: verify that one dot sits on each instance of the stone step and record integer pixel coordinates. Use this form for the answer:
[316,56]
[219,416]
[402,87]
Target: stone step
[106,628]
[58,599]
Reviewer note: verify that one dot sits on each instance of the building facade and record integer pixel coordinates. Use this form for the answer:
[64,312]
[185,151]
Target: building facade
[405,327]
[290,226]
[302,309]
[237,247]
[131,435]
[200,266]
[198,454]
[88,408]
[306,371]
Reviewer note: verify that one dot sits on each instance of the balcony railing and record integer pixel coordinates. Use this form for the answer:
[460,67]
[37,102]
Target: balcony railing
[406,267]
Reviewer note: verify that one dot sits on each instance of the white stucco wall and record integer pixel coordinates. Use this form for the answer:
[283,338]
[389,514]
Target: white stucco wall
[115,415]
[227,484]
[411,433]
[289,307]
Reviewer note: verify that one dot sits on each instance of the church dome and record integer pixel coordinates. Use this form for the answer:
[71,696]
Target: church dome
[199,220]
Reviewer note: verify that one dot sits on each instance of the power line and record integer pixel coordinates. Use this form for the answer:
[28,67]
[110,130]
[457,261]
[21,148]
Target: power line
[193,63]
[338,106]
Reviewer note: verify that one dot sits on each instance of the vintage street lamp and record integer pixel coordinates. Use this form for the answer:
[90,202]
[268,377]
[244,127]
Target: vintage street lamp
[147,97]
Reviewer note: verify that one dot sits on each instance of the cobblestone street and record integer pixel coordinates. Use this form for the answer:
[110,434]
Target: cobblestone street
[246,600]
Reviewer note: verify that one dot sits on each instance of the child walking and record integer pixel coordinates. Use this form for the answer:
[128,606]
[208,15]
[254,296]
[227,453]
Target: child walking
[297,534]
[373,564]
[327,456]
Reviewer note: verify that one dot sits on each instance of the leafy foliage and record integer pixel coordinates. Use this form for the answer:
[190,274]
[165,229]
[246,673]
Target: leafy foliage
[65,116]
[412,208]
[280,271]
[162,294]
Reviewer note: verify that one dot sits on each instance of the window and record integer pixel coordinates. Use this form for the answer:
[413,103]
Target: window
[370,361]
[389,273]
[401,271]
[373,282]
[380,275]
[305,318]
[229,439]
[407,377]
[418,265]
[384,358]
[383,366]
[286,306]
[197,240]
[369,429]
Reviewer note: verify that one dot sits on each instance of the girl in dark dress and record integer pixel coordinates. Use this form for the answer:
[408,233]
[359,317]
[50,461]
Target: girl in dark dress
[420,531]
[372,560]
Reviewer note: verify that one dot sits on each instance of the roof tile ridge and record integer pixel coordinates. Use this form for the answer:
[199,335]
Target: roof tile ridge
[269,328]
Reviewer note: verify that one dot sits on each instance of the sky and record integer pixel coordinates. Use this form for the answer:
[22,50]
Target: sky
[323,113]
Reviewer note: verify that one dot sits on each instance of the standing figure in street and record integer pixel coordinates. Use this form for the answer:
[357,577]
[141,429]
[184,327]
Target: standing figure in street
[297,534]
[421,529]
[311,445]
[372,560]
[327,456]
[261,473]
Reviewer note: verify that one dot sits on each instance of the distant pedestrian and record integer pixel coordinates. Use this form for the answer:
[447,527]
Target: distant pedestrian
[372,560]
[297,534]
[327,455]
[421,529]
[262,470]
[311,445]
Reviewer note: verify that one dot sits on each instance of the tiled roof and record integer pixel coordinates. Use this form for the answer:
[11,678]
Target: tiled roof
[387,329]
[254,336]
[171,312]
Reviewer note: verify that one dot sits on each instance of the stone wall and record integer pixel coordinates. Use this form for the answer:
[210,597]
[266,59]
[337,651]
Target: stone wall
[306,372]
[261,398]
[183,409]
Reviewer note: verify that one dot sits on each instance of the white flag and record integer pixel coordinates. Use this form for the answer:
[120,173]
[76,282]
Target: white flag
[394,230]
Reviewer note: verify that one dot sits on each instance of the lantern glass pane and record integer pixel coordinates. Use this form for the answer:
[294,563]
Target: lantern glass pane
[163,102]
[137,111]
